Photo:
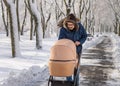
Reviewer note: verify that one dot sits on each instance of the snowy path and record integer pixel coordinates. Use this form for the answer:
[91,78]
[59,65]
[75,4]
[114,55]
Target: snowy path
[99,69]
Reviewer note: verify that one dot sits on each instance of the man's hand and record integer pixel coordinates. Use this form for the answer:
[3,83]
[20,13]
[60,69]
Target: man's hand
[77,43]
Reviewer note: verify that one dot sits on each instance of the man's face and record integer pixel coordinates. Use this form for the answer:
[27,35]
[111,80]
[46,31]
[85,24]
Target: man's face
[70,25]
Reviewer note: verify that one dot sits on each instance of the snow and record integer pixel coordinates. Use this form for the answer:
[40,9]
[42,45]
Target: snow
[30,56]
[30,69]
[116,55]
[26,77]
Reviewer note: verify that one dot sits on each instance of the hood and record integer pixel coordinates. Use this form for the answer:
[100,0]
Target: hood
[72,21]
[61,23]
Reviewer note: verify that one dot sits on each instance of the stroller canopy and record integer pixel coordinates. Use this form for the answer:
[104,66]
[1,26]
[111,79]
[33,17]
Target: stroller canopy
[63,49]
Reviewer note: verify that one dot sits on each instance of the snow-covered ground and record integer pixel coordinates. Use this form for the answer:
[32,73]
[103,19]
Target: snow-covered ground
[116,55]
[30,55]
[32,65]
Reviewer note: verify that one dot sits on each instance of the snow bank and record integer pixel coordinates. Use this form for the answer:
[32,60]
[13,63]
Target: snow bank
[116,54]
[93,42]
[116,58]
[31,77]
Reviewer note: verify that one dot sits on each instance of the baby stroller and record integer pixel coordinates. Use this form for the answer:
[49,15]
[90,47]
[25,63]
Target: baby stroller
[63,63]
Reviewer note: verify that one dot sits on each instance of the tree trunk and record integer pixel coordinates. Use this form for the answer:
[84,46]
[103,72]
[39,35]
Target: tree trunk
[13,29]
[38,46]
[119,29]
[81,8]
[68,6]
[3,16]
[23,24]
[31,29]
[36,15]
[44,19]
[18,20]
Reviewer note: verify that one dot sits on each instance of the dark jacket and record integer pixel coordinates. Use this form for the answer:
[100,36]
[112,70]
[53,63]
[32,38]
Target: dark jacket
[74,35]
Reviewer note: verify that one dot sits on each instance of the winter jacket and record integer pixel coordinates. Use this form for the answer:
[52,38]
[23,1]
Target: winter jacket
[74,35]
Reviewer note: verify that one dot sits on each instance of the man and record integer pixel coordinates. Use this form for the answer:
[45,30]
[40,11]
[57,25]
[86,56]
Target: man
[72,29]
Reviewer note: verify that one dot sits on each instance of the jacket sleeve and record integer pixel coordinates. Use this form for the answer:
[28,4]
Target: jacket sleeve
[84,34]
[62,34]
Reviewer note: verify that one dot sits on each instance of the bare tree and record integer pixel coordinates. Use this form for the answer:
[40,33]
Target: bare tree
[17,11]
[87,9]
[4,21]
[81,8]
[32,7]
[23,24]
[45,19]
[13,28]
[58,13]
[16,2]
[115,5]
[32,27]
[60,9]
[116,24]
[91,17]
[68,6]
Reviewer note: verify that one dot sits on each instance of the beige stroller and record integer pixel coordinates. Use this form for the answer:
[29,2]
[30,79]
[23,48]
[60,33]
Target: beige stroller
[63,62]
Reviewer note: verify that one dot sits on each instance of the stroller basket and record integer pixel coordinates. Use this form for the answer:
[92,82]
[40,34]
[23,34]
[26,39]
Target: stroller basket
[62,83]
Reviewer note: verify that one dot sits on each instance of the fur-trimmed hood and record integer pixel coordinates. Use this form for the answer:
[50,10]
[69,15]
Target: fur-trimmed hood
[69,18]
[72,21]
[62,21]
